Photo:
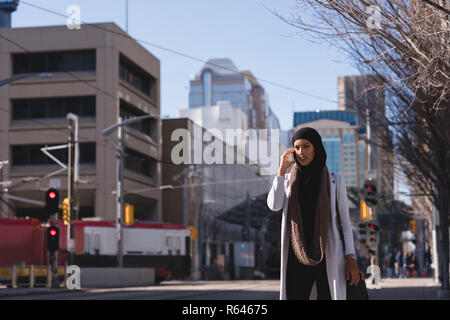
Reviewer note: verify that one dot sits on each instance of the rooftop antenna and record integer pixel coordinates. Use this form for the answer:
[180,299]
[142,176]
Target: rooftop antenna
[126,13]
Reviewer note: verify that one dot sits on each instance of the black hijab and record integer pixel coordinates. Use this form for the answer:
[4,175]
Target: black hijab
[309,180]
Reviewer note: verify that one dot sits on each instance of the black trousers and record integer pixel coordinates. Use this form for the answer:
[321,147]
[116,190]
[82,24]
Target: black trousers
[300,279]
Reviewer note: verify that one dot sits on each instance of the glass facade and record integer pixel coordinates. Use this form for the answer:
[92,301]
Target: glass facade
[302,117]
[348,138]
[217,84]
[333,150]
[195,96]
[207,89]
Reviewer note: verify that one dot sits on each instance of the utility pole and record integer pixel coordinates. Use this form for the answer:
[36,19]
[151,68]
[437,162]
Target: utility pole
[119,192]
[369,147]
[70,151]
[126,13]
[119,196]
[2,164]
[72,182]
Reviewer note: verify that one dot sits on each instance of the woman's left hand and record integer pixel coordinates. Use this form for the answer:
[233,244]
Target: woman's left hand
[352,271]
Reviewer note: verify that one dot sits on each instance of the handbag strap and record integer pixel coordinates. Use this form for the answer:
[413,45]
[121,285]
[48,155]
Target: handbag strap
[338,214]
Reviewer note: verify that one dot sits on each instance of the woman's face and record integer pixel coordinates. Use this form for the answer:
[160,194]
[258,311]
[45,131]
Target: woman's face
[304,150]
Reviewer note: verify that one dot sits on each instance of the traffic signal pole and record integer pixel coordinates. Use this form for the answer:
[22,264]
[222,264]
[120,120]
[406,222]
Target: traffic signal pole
[120,166]
[72,155]
[369,151]
[51,207]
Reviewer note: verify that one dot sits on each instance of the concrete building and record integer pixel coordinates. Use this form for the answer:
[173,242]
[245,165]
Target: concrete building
[99,74]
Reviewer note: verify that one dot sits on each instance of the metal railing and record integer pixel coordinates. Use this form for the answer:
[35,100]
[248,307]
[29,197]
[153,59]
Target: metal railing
[31,276]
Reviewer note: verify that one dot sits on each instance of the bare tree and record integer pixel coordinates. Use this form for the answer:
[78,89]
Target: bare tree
[404,44]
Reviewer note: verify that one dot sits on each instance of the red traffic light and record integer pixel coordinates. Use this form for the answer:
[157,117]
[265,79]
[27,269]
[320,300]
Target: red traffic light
[53,238]
[52,195]
[372,226]
[369,187]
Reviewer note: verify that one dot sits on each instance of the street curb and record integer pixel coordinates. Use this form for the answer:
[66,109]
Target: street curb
[11,292]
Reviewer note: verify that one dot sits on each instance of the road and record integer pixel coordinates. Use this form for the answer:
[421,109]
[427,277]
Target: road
[391,289]
[174,290]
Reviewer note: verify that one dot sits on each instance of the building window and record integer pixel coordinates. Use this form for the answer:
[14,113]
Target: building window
[25,155]
[64,61]
[53,107]
[207,88]
[128,111]
[137,77]
[349,138]
[140,163]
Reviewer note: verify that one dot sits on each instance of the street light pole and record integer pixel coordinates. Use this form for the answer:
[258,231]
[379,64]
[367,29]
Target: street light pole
[119,193]
[119,196]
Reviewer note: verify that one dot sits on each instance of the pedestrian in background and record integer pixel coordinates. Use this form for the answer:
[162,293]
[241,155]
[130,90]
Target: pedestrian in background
[312,253]
[404,269]
[387,265]
[398,263]
[414,265]
[428,270]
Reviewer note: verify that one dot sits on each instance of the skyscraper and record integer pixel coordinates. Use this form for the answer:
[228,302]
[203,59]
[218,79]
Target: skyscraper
[342,140]
[221,80]
[359,94]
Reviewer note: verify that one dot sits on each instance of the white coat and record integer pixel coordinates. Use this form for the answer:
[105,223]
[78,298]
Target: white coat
[278,198]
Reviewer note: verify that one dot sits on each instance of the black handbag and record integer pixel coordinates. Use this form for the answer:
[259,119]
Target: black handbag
[359,291]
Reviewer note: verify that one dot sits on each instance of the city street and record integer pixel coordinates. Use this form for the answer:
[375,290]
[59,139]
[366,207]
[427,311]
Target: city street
[391,289]
[213,141]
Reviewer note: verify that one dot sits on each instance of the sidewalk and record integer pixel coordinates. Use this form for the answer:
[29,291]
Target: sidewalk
[13,292]
[406,289]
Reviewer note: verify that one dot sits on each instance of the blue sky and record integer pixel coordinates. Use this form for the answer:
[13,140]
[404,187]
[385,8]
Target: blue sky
[243,31]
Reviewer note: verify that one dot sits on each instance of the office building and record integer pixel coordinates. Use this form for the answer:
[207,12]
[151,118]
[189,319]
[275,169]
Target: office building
[99,74]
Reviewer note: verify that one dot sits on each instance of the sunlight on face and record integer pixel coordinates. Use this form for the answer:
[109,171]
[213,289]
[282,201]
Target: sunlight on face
[304,150]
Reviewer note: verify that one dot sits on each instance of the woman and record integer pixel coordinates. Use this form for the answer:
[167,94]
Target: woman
[312,253]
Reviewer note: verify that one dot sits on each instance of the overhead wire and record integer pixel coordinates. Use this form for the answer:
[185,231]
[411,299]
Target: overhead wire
[177,52]
[112,147]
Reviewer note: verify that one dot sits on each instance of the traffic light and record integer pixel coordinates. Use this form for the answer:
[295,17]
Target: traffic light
[362,233]
[364,210]
[65,211]
[52,238]
[370,193]
[373,233]
[128,214]
[373,238]
[51,201]
[413,226]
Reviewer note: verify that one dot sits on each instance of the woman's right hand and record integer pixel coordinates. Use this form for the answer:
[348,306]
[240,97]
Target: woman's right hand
[285,163]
